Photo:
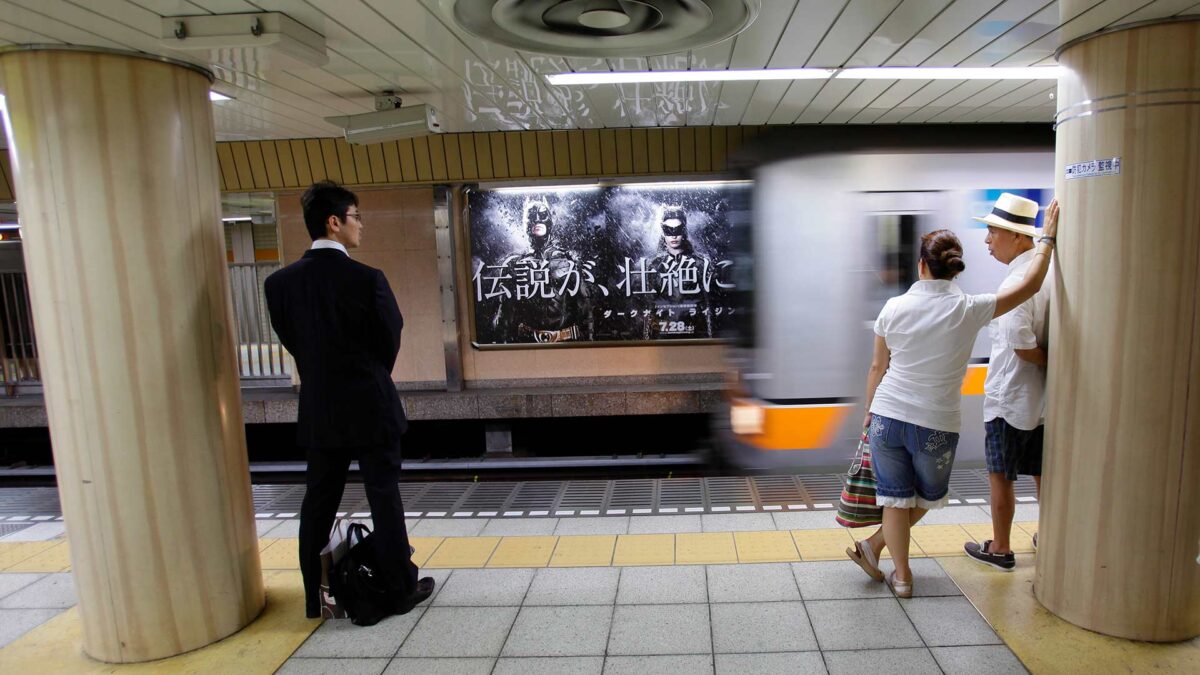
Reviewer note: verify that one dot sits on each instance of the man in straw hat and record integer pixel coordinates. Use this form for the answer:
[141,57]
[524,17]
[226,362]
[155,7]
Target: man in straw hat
[1016,380]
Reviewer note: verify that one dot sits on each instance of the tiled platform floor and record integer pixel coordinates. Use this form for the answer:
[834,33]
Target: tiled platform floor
[768,618]
[709,593]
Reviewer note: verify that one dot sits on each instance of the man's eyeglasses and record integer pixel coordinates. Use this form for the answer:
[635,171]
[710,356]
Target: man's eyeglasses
[356,216]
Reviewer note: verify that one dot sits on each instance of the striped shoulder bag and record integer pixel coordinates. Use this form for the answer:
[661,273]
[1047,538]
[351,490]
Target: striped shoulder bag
[857,506]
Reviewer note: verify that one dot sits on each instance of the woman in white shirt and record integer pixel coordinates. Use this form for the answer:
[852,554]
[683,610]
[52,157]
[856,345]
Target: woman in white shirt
[922,346]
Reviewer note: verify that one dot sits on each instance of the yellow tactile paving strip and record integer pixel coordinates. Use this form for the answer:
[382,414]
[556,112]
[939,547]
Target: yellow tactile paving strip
[607,550]
[1046,643]
[645,549]
[707,548]
[261,647]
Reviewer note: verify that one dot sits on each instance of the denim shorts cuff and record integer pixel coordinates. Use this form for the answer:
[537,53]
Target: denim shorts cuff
[931,505]
[895,502]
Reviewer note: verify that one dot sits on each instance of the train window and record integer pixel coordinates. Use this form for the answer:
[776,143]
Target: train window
[895,255]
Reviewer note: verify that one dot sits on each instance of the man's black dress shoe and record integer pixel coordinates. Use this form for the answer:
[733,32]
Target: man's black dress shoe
[424,590]
[312,613]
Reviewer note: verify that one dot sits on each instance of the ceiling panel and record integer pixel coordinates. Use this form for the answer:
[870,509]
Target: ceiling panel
[985,31]
[578,102]
[552,104]
[17,18]
[178,7]
[519,100]
[839,103]
[609,104]
[1095,18]
[414,47]
[1032,94]
[900,27]
[963,99]
[670,98]
[639,99]
[923,96]
[858,21]
[753,48]
[954,97]
[1016,38]
[378,56]
[959,32]
[809,24]
[12,34]
[225,6]
[1037,108]
[704,97]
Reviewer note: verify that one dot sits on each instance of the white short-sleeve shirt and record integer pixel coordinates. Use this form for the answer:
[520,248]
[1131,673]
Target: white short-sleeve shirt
[929,331]
[1015,389]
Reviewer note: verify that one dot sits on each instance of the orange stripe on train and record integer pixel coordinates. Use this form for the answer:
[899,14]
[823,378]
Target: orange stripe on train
[815,427]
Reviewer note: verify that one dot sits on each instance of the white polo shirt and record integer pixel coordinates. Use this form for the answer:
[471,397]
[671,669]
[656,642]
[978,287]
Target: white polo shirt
[929,331]
[1015,390]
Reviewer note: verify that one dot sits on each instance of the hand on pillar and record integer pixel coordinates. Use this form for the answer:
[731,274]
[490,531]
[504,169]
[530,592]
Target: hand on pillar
[1051,226]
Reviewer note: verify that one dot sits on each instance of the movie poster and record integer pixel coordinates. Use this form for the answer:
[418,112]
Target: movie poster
[646,262]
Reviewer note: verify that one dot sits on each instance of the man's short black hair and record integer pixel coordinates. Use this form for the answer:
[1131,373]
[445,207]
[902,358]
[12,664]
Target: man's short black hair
[323,199]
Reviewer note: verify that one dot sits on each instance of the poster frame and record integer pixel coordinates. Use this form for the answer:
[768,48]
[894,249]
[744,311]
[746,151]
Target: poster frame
[468,188]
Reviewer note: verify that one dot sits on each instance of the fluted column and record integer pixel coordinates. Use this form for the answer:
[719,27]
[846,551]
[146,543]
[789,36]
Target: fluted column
[1120,514]
[116,181]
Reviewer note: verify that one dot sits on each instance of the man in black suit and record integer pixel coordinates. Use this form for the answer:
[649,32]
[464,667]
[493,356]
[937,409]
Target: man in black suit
[339,320]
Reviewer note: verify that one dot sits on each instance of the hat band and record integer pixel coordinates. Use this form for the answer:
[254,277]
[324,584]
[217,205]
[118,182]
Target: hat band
[1013,218]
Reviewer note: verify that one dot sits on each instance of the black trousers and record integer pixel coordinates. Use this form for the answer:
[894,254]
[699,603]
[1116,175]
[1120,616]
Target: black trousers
[326,480]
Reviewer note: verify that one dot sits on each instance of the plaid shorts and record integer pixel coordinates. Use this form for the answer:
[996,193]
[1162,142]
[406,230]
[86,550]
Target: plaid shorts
[1012,451]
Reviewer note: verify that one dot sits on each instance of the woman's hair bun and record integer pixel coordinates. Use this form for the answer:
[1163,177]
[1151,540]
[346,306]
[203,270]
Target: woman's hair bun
[942,253]
[953,261]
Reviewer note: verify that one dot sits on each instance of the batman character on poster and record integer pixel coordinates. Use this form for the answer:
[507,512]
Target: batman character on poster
[601,264]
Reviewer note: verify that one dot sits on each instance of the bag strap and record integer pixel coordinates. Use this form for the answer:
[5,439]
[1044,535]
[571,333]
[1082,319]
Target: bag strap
[359,530]
[857,463]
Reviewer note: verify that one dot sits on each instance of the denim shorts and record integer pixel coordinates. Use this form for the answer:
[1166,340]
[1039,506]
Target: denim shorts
[1012,451]
[911,463]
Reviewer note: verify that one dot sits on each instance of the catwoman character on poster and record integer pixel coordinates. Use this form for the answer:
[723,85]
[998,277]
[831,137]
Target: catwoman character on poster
[550,276]
[680,306]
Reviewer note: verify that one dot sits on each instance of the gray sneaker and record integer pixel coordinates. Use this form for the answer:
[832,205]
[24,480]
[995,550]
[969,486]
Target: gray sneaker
[1005,562]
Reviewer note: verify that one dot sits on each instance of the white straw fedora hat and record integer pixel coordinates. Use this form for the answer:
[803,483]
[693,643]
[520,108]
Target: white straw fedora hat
[1013,213]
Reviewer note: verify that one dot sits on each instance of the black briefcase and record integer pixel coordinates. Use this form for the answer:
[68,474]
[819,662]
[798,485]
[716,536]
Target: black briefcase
[357,582]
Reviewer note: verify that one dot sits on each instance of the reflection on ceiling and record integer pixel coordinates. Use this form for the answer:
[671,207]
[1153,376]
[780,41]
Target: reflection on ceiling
[418,49]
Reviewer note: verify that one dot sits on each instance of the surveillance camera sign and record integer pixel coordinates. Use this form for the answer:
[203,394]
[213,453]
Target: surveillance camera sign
[1096,167]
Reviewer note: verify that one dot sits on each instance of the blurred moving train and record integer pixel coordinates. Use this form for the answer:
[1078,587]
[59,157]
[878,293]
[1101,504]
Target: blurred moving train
[836,232]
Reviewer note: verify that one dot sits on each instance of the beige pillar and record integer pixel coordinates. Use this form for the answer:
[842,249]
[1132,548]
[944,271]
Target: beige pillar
[1120,515]
[116,182]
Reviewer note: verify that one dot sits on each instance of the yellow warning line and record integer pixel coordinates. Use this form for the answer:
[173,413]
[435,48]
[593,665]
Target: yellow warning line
[692,548]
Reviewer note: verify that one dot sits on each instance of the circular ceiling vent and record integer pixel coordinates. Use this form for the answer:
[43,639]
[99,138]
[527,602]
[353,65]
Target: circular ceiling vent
[604,27]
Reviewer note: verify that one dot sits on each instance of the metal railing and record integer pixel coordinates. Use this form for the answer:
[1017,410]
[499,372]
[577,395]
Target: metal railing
[18,349]
[260,354]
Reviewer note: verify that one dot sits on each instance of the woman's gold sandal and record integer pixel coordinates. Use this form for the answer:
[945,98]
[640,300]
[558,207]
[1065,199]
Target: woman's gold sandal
[865,557]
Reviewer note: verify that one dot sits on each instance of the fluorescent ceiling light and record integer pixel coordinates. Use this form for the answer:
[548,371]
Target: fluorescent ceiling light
[690,76]
[218,96]
[898,73]
[9,226]
[1030,73]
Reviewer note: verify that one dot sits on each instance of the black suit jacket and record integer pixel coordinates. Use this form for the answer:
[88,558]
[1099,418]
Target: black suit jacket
[340,321]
